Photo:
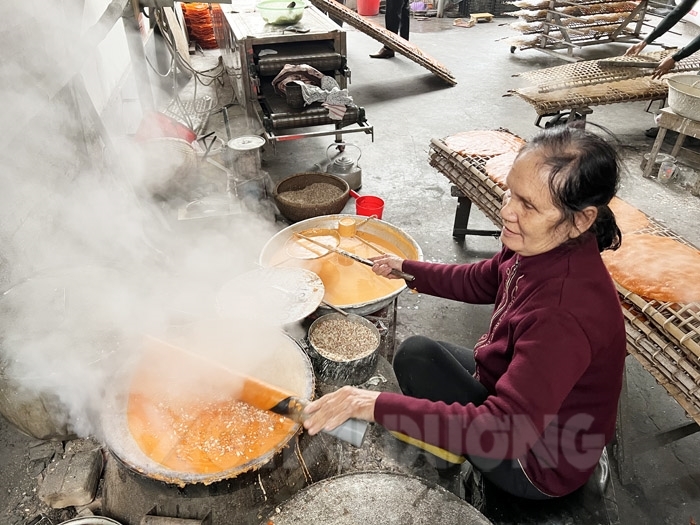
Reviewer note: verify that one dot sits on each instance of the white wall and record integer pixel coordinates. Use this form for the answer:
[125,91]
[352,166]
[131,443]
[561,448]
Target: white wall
[106,66]
[49,135]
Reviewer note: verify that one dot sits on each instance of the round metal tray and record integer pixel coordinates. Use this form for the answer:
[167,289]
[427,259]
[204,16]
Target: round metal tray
[288,294]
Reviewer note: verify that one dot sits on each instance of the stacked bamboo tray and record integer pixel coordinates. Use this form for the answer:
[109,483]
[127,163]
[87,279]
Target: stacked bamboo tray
[665,339]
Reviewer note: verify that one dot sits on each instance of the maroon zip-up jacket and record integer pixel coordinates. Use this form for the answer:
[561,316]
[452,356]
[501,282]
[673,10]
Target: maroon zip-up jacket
[552,362]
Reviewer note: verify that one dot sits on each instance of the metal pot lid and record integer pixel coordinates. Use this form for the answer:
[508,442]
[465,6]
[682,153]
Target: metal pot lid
[247,142]
[375,498]
[344,163]
[288,294]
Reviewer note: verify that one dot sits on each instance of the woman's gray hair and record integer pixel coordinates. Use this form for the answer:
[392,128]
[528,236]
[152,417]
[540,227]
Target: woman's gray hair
[583,171]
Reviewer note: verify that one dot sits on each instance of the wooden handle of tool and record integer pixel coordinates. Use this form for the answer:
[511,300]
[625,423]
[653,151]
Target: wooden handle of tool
[368,262]
[253,391]
[405,276]
[397,273]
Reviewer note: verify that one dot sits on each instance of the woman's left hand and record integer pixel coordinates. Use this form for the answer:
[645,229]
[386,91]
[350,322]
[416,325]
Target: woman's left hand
[636,48]
[666,65]
[337,407]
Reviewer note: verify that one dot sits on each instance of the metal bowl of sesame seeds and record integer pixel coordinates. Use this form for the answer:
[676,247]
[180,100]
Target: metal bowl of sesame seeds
[306,195]
[343,348]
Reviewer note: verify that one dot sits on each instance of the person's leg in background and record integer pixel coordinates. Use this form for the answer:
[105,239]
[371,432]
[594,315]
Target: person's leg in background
[392,21]
[405,19]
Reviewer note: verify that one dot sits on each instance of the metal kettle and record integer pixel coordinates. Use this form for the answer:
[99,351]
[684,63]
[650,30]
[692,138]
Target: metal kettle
[344,166]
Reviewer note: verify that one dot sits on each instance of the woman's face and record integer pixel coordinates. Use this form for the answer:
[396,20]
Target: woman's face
[531,222]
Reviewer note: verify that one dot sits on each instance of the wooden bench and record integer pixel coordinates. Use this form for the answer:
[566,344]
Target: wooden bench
[669,120]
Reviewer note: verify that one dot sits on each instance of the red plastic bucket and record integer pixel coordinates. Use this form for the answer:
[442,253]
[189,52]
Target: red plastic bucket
[159,125]
[368,205]
[368,7]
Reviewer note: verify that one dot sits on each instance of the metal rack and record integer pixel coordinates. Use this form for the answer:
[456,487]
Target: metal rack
[569,25]
[255,52]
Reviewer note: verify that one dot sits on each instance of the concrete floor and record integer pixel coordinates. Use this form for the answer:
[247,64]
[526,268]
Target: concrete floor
[408,106]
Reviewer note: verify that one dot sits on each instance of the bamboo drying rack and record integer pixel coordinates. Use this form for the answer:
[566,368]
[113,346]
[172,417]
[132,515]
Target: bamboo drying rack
[570,25]
[468,174]
[576,87]
[665,338]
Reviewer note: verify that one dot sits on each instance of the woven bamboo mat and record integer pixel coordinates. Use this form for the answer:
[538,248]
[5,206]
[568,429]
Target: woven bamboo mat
[680,323]
[671,368]
[592,72]
[665,337]
[386,37]
[572,24]
[574,36]
[469,175]
[630,90]
[577,8]
[545,4]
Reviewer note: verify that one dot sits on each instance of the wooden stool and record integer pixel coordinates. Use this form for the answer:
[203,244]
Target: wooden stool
[668,119]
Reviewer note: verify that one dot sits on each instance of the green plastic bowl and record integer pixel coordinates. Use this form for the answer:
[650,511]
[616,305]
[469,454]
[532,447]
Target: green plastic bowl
[278,12]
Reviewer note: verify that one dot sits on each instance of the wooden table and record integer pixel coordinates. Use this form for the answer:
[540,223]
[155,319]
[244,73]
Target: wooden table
[668,119]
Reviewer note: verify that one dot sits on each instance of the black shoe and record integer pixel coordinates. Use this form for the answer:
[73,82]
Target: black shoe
[652,132]
[475,490]
[384,52]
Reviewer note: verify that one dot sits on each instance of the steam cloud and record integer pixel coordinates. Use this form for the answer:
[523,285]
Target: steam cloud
[90,261]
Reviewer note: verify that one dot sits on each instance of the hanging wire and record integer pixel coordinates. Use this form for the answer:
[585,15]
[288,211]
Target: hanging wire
[169,37]
[204,77]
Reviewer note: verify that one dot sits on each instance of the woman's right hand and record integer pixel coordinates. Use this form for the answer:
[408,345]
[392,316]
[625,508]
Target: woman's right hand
[383,264]
[636,49]
[335,408]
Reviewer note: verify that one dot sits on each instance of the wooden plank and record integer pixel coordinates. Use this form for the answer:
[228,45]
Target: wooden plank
[179,34]
[386,37]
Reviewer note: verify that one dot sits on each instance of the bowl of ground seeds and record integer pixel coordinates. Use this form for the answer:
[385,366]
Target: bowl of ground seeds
[306,195]
[343,348]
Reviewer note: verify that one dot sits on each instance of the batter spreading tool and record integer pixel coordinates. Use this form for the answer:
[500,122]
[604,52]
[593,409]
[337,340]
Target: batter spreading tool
[362,260]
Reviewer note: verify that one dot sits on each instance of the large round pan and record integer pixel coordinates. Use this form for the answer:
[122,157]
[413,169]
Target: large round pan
[287,367]
[398,239]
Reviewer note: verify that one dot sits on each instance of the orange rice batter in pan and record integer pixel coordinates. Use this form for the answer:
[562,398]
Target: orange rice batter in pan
[346,281]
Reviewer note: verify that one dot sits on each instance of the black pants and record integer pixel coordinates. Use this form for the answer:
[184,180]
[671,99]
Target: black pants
[397,17]
[441,371]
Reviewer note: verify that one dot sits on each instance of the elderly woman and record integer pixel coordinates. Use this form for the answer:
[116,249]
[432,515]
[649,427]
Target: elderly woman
[534,404]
